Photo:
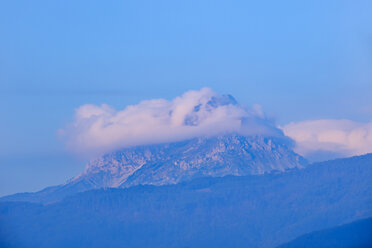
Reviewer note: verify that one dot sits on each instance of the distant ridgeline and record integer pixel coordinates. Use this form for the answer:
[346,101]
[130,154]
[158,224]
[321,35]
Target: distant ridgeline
[232,199]
[357,234]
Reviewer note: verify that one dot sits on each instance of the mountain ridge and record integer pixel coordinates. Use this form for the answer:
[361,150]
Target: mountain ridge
[350,235]
[171,163]
[232,211]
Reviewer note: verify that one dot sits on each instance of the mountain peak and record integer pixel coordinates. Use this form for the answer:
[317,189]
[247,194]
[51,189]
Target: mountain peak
[169,163]
[175,162]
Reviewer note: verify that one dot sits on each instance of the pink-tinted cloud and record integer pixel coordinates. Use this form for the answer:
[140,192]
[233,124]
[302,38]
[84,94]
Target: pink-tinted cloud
[99,129]
[344,137]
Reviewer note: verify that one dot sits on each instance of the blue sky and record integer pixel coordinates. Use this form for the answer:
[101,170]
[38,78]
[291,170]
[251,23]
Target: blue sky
[299,60]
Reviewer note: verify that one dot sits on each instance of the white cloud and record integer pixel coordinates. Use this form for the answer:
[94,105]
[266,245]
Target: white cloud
[342,137]
[99,129]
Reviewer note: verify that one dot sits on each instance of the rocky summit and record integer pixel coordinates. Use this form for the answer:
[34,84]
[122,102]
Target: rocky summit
[171,163]
[182,161]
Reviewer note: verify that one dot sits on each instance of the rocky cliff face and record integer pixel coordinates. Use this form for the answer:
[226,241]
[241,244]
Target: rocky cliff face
[171,163]
[181,161]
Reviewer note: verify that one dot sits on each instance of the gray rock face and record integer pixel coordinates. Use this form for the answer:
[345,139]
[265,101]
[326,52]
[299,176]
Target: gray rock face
[182,161]
[176,162]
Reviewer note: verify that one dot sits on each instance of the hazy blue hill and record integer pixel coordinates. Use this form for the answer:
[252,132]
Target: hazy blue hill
[245,211]
[357,234]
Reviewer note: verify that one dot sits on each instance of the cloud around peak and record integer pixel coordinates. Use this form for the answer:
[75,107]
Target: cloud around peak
[100,129]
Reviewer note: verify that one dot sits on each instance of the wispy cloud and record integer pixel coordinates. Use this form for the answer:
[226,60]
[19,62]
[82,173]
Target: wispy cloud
[342,137]
[99,129]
